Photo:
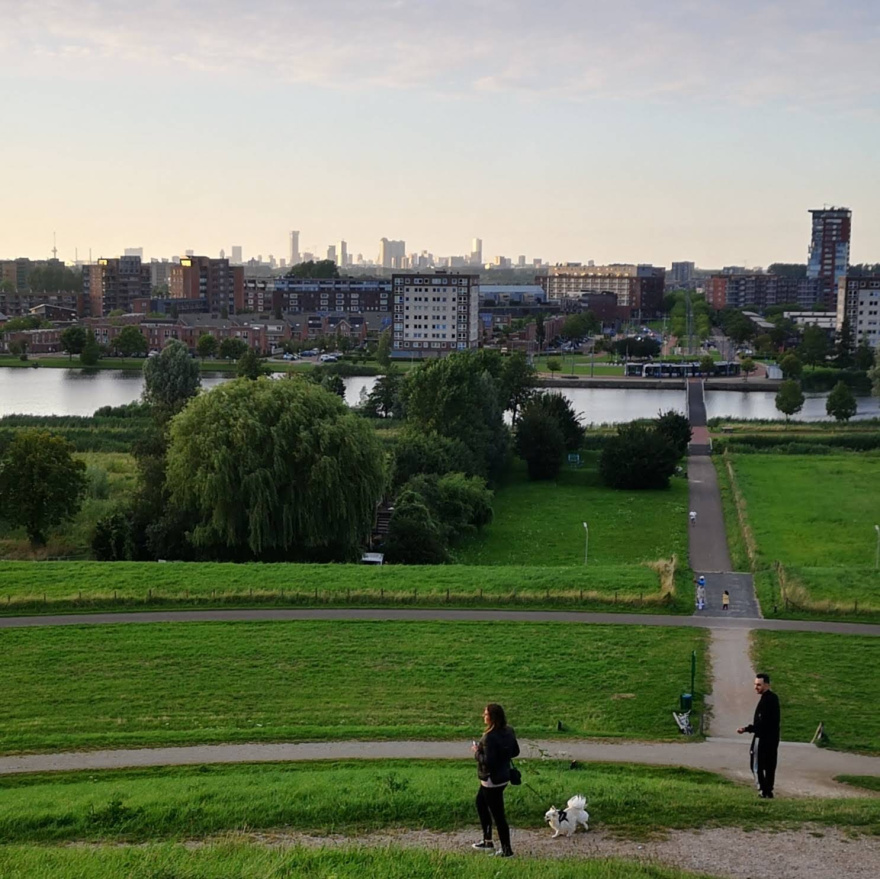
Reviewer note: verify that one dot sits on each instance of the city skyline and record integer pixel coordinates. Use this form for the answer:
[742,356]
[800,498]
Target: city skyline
[699,132]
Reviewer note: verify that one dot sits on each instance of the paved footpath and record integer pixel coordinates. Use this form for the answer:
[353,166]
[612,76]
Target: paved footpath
[429,615]
[803,769]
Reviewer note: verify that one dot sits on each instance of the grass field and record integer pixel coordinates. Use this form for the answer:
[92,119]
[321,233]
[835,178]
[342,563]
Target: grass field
[578,365]
[225,860]
[824,678]
[812,514]
[188,802]
[542,522]
[54,586]
[811,510]
[111,477]
[184,683]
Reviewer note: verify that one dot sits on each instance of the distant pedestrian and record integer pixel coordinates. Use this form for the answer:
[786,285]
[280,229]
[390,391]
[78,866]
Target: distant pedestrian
[494,751]
[765,729]
[693,517]
[725,600]
[701,596]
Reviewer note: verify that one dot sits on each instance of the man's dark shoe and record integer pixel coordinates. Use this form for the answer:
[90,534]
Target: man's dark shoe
[504,853]
[484,845]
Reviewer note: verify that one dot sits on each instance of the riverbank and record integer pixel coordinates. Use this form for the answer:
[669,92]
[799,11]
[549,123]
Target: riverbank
[550,380]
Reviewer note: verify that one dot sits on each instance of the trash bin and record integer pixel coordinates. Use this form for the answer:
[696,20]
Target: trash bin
[686,700]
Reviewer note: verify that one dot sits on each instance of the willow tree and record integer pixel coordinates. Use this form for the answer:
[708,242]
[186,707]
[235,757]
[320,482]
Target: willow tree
[275,470]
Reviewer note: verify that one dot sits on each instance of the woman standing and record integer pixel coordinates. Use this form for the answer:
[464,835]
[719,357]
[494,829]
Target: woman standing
[493,753]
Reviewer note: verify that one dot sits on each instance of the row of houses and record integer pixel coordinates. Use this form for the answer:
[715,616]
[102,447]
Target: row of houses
[263,336]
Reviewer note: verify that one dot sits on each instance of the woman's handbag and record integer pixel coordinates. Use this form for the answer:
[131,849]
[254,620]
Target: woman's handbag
[515,775]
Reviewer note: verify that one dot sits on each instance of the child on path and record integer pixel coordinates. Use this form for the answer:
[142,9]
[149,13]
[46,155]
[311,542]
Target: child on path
[693,517]
[725,600]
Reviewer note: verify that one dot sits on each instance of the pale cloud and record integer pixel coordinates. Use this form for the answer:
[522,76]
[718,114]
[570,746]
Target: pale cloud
[802,52]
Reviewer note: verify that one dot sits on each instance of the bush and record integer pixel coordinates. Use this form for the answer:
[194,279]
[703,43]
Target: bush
[416,453]
[540,443]
[638,457]
[414,536]
[112,539]
[561,409]
[824,379]
[676,428]
[97,484]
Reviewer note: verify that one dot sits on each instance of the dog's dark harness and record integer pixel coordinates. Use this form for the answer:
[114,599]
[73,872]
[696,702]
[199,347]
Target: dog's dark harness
[561,815]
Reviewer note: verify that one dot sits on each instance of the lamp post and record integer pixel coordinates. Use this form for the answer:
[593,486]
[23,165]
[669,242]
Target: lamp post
[587,542]
[877,554]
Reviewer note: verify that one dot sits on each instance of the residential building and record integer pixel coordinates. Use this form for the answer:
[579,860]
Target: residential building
[333,295]
[829,249]
[112,284]
[639,288]
[160,274]
[213,282]
[826,320]
[682,275]
[858,302]
[760,290]
[22,304]
[435,313]
[236,259]
[261,296]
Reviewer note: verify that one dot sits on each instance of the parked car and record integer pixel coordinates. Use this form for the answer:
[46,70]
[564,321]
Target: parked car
[310,353]
[328,358]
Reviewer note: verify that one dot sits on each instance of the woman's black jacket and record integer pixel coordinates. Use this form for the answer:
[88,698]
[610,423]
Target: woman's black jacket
[494,752]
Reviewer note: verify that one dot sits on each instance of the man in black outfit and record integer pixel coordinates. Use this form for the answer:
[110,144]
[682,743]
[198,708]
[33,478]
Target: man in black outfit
[765,743]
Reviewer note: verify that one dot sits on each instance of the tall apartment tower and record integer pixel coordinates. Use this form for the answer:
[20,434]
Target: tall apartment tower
[294,249]
[435,314]
[829,250]
[213,282]
[113,284]
[342,254]
[477,252]
[392,254]
[236,254]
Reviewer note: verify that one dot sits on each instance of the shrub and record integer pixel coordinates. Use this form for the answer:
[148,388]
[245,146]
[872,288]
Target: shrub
[562,410]
[112,538]
[540,443]
[417,452]
[97,484]
[414,536]
[676,428]
[638,457]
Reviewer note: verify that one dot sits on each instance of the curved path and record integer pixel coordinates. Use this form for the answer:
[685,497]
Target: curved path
[388,614]
[804,769]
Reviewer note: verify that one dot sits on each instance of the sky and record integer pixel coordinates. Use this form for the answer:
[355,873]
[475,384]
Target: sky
[633,131]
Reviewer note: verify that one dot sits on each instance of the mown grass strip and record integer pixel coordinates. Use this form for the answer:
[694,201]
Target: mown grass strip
[359,797]
[186,683]
[822,678]
[53,586]
[230,859]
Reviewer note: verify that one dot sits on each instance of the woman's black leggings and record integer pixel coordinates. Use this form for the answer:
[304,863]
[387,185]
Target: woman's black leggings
[490,807]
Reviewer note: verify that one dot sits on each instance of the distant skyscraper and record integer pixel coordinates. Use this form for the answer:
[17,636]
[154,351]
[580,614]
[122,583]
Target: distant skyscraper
[331,252]
[222,253]
[294,248]
[829,249]
[392,254]
[342,254]
[682,274]
[134,251]
[521,262]
[477,251]
[236,254]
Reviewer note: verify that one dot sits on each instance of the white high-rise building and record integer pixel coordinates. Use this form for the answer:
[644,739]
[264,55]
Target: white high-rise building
[392,254]
[436,313]
[236,254]
[477,252]
[294,248]
[342,254]
[331,252]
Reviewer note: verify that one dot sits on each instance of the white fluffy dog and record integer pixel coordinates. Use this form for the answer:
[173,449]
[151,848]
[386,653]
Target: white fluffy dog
[565,821]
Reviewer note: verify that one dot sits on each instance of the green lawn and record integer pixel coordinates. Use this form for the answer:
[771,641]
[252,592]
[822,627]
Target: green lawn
[578,365]
[815,515]
[811,510]
[111,479]
[541,523]
[225,860]
[184,683]
[54,586]
[824,678]
[190,802]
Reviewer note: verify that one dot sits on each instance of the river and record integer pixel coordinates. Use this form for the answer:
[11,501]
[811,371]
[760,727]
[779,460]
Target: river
[81,392]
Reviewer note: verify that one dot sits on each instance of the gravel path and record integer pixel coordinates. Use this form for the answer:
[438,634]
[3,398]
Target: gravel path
[803,769]
[808,853]
[526,616]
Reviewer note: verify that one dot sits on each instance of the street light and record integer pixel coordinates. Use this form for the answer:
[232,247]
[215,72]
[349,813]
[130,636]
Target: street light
[877,554]
[587,541]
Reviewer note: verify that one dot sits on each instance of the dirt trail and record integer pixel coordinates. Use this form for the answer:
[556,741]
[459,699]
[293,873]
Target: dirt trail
[808,853]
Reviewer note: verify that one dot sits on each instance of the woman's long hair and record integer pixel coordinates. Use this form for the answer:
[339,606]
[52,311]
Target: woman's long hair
[497,718]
